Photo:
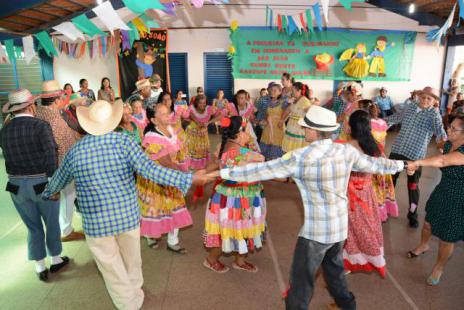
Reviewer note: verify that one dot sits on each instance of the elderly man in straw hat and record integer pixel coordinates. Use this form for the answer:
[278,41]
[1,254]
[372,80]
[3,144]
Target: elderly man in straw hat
[156,89]
[321,172]
[30,157]
[419,122]
[144,92]
[65,137]
[103,164]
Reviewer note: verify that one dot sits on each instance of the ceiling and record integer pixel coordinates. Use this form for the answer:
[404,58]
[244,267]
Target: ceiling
[441,8]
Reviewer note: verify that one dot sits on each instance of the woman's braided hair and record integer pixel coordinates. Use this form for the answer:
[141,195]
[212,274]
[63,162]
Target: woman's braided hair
[230,132]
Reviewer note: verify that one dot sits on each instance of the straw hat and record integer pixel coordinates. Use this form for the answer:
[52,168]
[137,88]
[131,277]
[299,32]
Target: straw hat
[100,117]
[18,99]
[142,84]
[320,119]
[433,92]
[51,89]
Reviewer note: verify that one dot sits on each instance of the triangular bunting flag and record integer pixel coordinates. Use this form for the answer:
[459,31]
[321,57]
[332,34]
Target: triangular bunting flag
[169,8]
[284,23]
[28,44]
[3,55]
[70,31]
[309,20]
[109,17]
[291,25]
[46,43]
[197,3]
[9,45]
[279,22]
[347,3]
[85,25]
[325,10]
[317,15]
[139,7]
[149,22]
[140,26]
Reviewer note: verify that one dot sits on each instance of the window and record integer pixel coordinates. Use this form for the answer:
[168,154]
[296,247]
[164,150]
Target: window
[218,75]
[178,73]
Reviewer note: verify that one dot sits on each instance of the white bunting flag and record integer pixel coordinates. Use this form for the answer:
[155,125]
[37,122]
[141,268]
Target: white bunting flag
[28,44]
[106,13]
[3,56]
[70,31]
[325,10]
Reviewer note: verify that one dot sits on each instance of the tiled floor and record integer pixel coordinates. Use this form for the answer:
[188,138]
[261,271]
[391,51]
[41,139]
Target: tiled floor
[181,282]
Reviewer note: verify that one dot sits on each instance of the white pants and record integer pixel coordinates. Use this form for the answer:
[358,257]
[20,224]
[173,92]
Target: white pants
[68,195]
[119,260]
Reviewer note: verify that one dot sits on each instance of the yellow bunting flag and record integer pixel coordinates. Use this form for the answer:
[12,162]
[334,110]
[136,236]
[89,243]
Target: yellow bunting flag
[141,28]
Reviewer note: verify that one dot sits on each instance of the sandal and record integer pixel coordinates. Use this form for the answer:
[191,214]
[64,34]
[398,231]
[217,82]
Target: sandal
[411,254]
[246,267]
[433,282]
[152,243]
[176,249]
[217,266]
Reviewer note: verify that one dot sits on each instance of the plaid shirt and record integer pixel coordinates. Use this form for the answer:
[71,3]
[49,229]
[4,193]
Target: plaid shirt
[28,147]
[321,172]
[417,128]
[103,168]
[261,105]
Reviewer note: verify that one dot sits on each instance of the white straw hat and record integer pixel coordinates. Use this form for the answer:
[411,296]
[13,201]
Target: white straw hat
[18,99]
[100,117]
[320,119]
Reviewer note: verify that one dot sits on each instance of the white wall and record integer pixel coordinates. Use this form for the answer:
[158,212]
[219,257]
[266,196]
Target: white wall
[70,70]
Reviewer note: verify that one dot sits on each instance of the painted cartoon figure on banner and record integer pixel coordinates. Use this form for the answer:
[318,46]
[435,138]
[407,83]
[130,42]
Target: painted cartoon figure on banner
[357,67]
[146,56]
[377,67]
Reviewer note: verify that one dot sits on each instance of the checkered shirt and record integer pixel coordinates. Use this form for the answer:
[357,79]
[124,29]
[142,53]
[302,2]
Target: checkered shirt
[103,168]
[261,105]
[417,128]
[28,147]
[321,172]
[384,103]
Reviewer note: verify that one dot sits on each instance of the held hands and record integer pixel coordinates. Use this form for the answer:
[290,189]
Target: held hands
[201,178]
[412,167]
[54,197]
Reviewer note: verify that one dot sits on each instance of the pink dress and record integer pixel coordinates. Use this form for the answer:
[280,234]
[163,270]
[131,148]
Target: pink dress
[163,208]
[140,120]
[249,115]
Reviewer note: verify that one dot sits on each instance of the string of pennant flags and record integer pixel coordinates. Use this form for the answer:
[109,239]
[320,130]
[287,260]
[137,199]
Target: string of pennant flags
[436,35]
[303,22]
[86,36]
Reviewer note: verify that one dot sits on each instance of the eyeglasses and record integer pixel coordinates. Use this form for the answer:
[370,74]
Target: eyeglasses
[453,129]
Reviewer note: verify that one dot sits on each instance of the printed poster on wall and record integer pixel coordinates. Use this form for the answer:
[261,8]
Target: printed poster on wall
[332,54]
[146,57]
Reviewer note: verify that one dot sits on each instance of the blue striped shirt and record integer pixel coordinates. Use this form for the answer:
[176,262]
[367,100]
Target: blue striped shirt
[321,172]
[103,168]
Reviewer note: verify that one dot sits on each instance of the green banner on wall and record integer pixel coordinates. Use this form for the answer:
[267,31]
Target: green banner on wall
[368,55]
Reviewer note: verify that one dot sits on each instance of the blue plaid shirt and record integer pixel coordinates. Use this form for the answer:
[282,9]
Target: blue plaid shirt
[321,172]
[417,128]
[384,103]
[261,105]
[103,168]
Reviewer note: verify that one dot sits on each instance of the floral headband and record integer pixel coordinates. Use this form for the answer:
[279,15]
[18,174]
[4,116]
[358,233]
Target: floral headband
[225,122]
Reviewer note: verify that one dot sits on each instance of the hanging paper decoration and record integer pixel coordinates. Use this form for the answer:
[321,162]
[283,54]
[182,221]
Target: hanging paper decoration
[140,7]
[291,25]
[18,52]
[284,23]
[347,3]
[85,25]
[197,3]
[103,45]
[28,44]
[133,34]
[317,15]
[325,10]
[435,35]
[9,45]
[461,10]
[69,30]
[109,17]
[149,22]
[309,20]
[140,26]
[125,40]
[46,42]
[169,8]
[234,25]
[279,22]
[3,55]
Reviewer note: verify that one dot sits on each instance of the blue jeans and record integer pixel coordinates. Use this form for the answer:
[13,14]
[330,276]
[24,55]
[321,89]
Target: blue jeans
[309,255]
[26,196]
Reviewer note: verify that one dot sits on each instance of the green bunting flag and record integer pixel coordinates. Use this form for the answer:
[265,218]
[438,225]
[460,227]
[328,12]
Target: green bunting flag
[46,42]
[140,7]
[149,22]
[133,33]
[347,3]
[86,26]
[9,45]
